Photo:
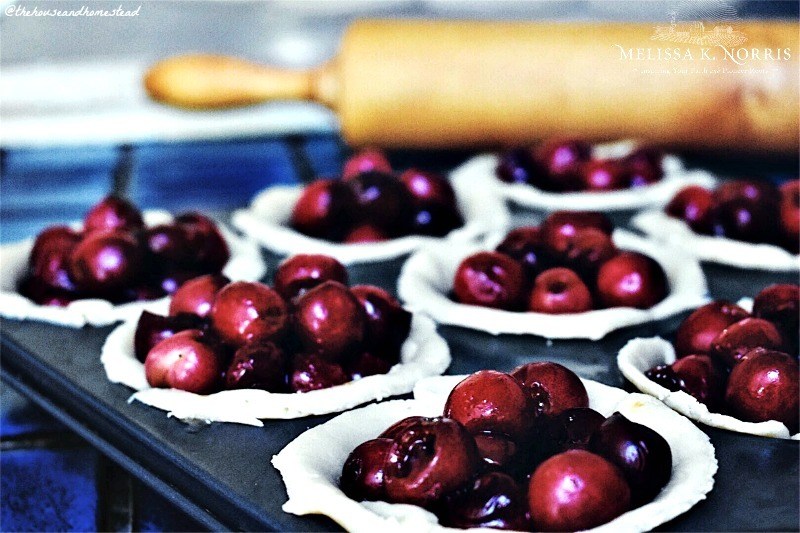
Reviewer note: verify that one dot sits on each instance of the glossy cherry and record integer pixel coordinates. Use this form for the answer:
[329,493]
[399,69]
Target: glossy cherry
[329,320]
[489,400]
[257,366]
[387,323]
[559,291]
[49,257]
[757,191]
[105,261]
[631,279]
[428,188]
[183,362]
[170,280]
[363,472]
[399,427]
[113,213]
[435,220]
[694,205]
[366,364]
[780,304]
[646,166]
[699,329]
[167,244]
[560,226]
[586,252]
[746,220]
[366,160]
[576,490]
[697,375]
[741,337]
[209,251]
[526,246]
[302,272]
[517,166]
[324,210]
[552,387]
[493,500]
[382,200]
[310,372]
[605,175]
[571,429]
[497,450]
[489,279]
[764,386]
[643,455]
[562,159]
[245,312]
[152,329]
[429,459]
[196,296]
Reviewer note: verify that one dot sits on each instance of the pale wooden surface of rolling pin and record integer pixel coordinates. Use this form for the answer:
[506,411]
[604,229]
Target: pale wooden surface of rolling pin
[443,84]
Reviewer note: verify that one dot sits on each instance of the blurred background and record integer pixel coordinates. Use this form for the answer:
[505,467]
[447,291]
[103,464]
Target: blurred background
[76,124]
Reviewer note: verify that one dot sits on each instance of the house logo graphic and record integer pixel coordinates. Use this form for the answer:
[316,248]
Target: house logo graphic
[706,24]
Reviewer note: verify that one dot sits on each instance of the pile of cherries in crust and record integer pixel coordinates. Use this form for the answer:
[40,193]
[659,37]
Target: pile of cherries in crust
[371,204]
[561,165]
[116,258]
[308,331]
[569,264]
[519,451]
[750,211]
[739,363]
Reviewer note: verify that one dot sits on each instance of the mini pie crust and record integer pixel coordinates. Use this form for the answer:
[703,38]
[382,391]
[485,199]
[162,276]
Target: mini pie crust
[722,250]
[267,218]
[424,353]
[312,463]
[427,278]
[675,178]
[642,354]
[245,263]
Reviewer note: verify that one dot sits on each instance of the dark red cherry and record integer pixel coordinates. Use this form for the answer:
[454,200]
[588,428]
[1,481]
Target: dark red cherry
[388,324]
[517,166]
[571,429]
[586,252]
[196,296]
[560,226]
[757,191]
[694,205]
[643,456]
[741,337]
[553,387]
[106,261]
[699,329]
[152,329]
[489,400]
[329,320]
[790,216]
[746,220]
[170,280]
[41,293]
[435,220]
[365,233]
[562,160]
[208,250]
[366,364]
[764,386]
[697,375]
[113,213]
[366,160]
[396,429]
[183,361]
[780,304]
[245,312]
[429,459]
[167,244]
[576,490]
[382,200]
[323,210]
[257,366]
[489,279]
[526,246]
[310,372]
[605,175]
[362,473]
[497,449]
[301,272]
[559,291]
[428,188]
[631,279]
[645,165]
[494,500]
[49,258]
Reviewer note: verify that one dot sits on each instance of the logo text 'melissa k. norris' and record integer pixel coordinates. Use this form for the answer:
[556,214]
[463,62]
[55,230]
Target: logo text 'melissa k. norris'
[738,55]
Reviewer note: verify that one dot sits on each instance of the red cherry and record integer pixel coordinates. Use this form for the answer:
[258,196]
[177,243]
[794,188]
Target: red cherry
[152,329]
[428,188]
[49,258]
[559,291]
[497,449]
[41,293]
[302,272]
[169,281]
[387,325]
[790,215]
[576,490]
[631,279]
[645,166]
[431,458]
[183,362]
[562,160]
[553,388]
[434,219]
[494,500]
[780,305]
[605,175]
[560,226]
[399,427]
[757,191]
[329,321]
[746,220]
[489,279]
[363,471]
[383,201]
[311,372]
[366,160]
[106,261]
[764,386]
[518,166]
[694,205]
[167,244]
[699,329]
[526,246]
[245,312]
[697,375]
[113,213]
[257,366]
[572,428]
[196,296]
[323,210]
[365,233]
[490,401]
[586,252]
[741,337]
[209,252]
[367,364]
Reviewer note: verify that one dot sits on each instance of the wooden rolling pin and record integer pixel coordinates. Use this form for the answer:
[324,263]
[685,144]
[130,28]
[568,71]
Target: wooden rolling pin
[436,84]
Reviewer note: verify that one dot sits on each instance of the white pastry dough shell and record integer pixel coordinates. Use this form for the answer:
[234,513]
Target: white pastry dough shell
[722,250]
[267,221]
[424,353]
[312,463]
[642,354]
[245,264]
[427,278]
